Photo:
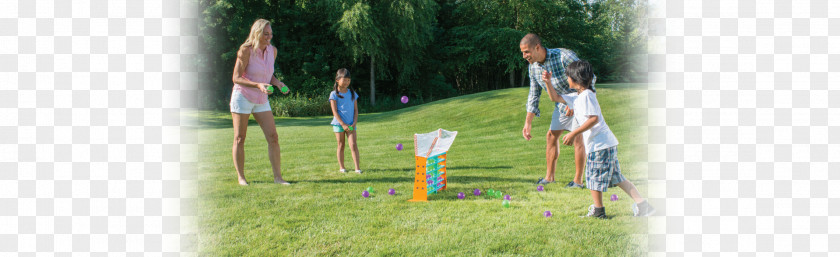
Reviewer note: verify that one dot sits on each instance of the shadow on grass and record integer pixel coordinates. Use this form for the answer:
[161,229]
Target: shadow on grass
[218,122]
[452,167]
[408,179]
[388,170]
[259,182]
[471,179]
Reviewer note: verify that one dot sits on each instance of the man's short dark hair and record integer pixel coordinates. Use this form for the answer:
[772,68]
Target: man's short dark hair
[530,40]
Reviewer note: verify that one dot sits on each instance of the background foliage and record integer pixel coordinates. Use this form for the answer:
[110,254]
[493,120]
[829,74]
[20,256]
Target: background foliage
[425,49]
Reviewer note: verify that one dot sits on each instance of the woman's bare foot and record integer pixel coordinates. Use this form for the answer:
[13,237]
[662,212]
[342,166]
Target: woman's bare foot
[281,181]
[243,182]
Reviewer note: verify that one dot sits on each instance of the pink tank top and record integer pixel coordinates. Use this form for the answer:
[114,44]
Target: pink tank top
[260,69]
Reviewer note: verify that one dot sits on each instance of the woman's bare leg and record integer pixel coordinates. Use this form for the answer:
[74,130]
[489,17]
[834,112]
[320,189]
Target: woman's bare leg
[240,126]
[266,121]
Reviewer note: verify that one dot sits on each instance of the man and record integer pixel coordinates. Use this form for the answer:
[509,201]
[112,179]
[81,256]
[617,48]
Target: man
[554,62]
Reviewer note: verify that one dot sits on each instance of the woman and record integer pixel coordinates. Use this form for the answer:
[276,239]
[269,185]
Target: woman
[252,75]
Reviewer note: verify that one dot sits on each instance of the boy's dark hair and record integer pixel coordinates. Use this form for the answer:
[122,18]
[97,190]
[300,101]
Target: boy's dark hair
[580,72]
[340,74]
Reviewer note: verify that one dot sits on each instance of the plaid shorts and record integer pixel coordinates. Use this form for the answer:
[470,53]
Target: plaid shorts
[602,169]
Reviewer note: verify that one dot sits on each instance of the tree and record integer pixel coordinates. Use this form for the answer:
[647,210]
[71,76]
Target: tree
[359,32]
[402,27]
[421,48]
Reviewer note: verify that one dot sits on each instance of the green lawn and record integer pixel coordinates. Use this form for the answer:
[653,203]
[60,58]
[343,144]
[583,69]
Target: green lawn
[323,212]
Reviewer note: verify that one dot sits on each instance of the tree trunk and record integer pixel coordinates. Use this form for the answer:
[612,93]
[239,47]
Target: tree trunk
[372,84]
[511,77]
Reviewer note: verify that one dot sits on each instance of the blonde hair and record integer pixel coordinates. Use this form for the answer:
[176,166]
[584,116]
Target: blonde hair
[256,33]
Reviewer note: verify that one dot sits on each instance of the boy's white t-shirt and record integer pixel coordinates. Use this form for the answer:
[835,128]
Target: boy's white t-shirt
[598,137]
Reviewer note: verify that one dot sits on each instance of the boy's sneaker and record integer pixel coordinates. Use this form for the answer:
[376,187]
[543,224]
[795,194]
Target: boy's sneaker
[359,171]
[643,209]
[542,181]
[572,184]
[600,213]
[342,171]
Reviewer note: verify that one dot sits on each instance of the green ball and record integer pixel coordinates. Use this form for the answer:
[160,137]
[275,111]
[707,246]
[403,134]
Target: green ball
[491,191]
[506,204]
[370,189]
[284,89]
[270,89]
[498,194]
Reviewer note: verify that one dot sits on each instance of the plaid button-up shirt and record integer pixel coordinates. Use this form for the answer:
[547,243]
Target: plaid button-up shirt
[556,61]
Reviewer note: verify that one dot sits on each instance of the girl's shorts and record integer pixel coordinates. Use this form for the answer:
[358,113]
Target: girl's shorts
[339,129]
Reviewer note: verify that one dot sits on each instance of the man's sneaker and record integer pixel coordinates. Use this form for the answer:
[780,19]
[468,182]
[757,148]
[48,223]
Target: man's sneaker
[542,181]
[342,171]
[643,209]
[359,171]
[572,184]
[600,213]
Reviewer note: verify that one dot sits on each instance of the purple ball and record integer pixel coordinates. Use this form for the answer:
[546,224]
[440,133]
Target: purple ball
[461,195]
[399,147]
[613,198]
[540,188]
[507,197]
[404,99]
[547,214]
[392,191]
[477,192]
[365,193]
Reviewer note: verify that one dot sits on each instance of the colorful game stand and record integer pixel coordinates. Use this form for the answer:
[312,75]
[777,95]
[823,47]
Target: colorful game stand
[430,163]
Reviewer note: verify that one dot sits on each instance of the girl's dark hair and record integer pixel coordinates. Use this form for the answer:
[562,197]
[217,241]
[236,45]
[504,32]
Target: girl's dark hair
[340,74]
[580,72]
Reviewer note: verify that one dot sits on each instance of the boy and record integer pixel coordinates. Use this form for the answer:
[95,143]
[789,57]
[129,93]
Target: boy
[602,169]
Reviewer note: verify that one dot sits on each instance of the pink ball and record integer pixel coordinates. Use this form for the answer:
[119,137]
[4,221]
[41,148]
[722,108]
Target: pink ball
[404,99]
[547,214]
[365,193]
[540,188]
[399,147]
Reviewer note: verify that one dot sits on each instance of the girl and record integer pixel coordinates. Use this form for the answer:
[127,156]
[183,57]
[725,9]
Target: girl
[345,117]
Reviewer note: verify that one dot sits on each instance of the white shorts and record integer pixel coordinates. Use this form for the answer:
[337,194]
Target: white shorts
[239,104]
[559,120]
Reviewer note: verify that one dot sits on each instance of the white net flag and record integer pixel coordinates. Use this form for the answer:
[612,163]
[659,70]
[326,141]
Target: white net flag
[433,143]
